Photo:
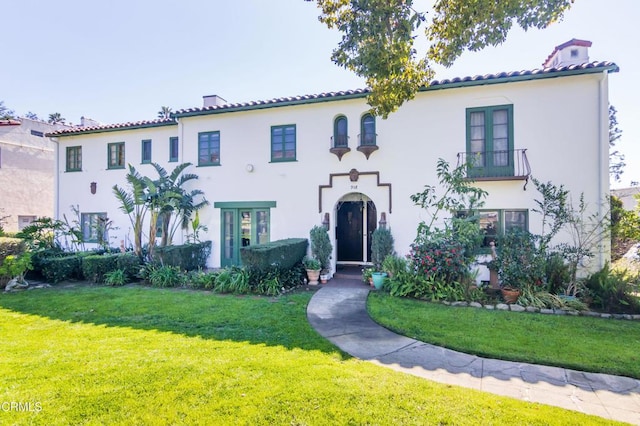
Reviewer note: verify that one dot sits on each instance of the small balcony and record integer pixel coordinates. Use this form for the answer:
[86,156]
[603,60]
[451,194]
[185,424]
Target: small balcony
[496,165]
[339,146]
[367,143]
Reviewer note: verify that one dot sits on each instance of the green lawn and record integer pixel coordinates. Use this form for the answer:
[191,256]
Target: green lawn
[135,355]
[581,343]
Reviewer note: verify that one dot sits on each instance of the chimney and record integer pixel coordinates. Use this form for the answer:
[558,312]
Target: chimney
[213,101]
[573,52]
[87,122]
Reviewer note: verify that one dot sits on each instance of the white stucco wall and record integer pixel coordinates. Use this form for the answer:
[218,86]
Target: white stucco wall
[26,172]
[558,120]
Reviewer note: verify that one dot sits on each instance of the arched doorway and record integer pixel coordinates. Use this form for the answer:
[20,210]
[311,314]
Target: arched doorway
[356,217]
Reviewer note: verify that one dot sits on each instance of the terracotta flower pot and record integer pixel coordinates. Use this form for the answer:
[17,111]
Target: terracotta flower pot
[510,295]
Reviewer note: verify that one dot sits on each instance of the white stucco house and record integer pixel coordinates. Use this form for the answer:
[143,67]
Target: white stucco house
[274,169]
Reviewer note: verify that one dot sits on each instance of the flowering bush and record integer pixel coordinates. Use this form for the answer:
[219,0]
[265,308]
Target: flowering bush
[440,259]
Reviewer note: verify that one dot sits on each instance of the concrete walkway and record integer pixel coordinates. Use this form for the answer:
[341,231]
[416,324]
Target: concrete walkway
[338,312]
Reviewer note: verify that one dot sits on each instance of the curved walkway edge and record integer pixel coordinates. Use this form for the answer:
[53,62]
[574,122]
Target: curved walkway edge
[340,315]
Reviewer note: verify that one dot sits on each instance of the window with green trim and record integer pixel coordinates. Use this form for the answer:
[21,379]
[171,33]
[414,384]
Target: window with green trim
[496,222]
[340,132]
[94,229]
[209,149]
[283,143]
[115,152]
[490,141]
[173,149]
[368,130]
[74,158]
[146,151]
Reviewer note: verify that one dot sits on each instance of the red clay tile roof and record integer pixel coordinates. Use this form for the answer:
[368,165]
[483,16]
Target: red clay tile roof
[10,122]
[349,94]
[112,127]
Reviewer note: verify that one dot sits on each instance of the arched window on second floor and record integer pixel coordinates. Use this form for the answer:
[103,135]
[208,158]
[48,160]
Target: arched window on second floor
[368,130]
[340,132]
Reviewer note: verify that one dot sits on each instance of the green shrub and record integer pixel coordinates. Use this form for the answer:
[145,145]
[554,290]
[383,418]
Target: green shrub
[11,246]
[187,257]
[233,280]
[281,253]
[612,291]
[41,256]
[272,280]
[381,246]
[202,280]
[166,276]
[14,266]
[117,277]
[94,267]
[557,273]
[56,269]
[129,263]
[393,265]
[321,247]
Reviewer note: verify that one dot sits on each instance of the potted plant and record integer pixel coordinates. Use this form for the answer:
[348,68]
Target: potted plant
[321,249]
[378,279]
[366,275]
[381,246]
[519,264]
[312,265]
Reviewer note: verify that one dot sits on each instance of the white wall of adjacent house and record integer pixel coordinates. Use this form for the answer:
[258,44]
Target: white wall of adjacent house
[557,120]
[26,173]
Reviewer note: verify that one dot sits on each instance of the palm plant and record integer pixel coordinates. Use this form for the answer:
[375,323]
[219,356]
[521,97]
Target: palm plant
[179,202]
[55,118]
[165,112]
[133,203]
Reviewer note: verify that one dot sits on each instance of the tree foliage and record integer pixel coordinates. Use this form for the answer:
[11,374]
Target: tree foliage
[616,158]
[378,38]
[55,118]
[5,112]
[165,112]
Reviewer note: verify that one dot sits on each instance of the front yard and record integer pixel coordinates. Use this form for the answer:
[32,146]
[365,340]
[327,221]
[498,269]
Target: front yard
[138,355]
[580,343]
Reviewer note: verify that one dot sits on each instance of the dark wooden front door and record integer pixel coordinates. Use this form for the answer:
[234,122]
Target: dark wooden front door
[349,232]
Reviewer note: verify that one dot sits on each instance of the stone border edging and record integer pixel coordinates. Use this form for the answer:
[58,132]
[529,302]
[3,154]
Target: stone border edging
[520,308]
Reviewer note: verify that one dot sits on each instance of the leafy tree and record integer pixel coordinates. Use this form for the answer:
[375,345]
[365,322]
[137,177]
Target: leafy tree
[55,118]
[6,113]
[378,38]
[32,116]
[165,112]
[616,159]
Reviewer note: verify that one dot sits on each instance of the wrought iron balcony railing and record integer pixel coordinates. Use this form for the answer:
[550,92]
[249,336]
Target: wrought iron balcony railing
[496,165]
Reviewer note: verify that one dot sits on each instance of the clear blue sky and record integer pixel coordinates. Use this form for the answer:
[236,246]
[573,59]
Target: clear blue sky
[121,60]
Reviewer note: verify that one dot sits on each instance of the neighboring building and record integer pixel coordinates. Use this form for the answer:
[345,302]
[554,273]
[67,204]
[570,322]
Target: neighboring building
[26,171]
[273,169]
[628,196]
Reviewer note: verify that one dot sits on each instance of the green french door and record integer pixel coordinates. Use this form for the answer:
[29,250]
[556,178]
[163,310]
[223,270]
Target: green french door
[242,227]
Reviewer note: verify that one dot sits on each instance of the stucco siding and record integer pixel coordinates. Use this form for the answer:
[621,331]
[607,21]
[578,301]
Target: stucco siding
[557,121]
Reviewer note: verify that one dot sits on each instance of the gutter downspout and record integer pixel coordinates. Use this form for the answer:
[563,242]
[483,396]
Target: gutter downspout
[56,178]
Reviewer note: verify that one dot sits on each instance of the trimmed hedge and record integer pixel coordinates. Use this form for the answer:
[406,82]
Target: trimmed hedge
[56,269]
[283,254]
[130,264]
[11,246]
[187,257]
[94,267]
